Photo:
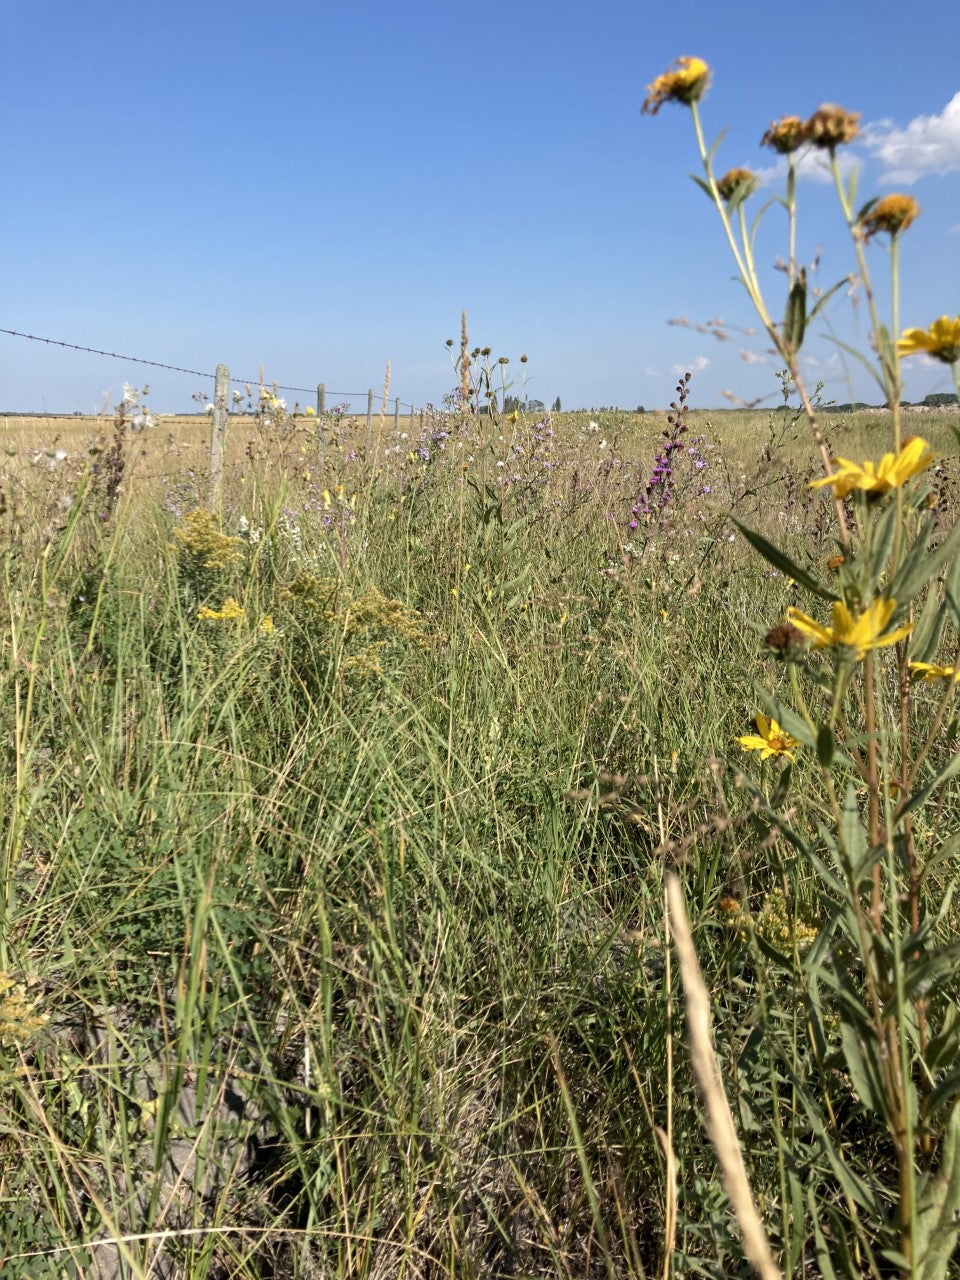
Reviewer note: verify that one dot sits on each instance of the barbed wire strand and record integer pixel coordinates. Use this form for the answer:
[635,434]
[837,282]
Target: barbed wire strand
[176,368]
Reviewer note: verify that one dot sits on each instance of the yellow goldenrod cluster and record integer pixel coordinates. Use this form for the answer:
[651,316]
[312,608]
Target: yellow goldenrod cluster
[783,931]
[359,627]
[201,545]
[230,610]
[774,923]
[19,1019]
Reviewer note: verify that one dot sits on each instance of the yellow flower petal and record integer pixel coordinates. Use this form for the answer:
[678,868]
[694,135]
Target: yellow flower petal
[685,82]
[862,633]
[893,470]
[941,340]
[930,671]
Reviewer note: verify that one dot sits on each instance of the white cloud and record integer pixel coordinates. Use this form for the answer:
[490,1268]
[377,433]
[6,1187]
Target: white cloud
[751,357]
[651,372]
[808,163]
[692,366]
[928,144]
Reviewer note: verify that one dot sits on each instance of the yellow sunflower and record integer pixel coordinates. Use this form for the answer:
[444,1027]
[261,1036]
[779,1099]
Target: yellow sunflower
[893,470]
[941,340]
[769,740]
[861,633]
[685,82]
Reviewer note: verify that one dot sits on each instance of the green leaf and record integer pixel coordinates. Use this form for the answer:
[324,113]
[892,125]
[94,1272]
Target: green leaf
[783,562]
[755,224]
[865,1075]
[950,770]
[795,320]
[935,1234]
[928,629]
[825,298]
[951,591]
[862,359]
[825,745]
[704,187]
[852,835]
[918,569]
[716,143]
[866,209]
[787,718]
[852,180]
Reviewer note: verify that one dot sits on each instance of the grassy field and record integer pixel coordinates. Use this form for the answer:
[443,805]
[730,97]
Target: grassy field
[336,825]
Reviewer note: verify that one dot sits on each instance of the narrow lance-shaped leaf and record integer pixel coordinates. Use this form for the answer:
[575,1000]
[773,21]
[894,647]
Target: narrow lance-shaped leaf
[783,562]
[825,298]
[935,1236]
[795,320]
[921,565]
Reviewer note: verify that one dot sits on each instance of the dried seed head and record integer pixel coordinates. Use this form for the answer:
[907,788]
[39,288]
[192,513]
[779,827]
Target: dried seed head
[831,126]
[785,135]
[785,639]
[733,180]
[892,214]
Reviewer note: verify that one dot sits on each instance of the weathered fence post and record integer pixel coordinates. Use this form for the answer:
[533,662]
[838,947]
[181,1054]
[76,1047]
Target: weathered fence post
[321,410]
[396,414]
[369,418]
[218,433]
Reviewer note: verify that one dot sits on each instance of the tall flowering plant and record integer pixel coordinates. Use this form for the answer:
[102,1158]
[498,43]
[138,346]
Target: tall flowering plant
[868,710]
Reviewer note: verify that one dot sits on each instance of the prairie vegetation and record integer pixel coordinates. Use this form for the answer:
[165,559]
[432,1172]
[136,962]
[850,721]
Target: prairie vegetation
[336,826]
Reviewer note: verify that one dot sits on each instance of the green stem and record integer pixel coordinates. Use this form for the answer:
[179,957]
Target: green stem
[888,376]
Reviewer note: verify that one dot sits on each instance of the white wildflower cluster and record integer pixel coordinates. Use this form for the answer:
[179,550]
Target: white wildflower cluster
[250,533]
[273,408]
[133,409]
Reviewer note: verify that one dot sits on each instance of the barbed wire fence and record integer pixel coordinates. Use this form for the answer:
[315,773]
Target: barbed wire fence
[222,383]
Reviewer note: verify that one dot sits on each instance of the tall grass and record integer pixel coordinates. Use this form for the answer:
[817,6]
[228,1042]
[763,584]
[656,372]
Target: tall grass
[333,931]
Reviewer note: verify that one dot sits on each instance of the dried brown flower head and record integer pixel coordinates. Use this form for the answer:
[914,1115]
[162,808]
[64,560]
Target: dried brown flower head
[830,126]
[892,214]
[785,135]
[685,82]
[784,639]
[834,563]
[735,178]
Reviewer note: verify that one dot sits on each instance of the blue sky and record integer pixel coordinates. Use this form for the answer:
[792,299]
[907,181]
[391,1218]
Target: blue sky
[318,187]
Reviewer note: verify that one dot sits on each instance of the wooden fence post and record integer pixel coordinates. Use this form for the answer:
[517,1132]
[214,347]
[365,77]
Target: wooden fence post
[321,410]
[218,434]
[396,414]
[369,418]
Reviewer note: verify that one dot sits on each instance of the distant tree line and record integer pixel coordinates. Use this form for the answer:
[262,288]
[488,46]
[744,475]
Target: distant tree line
[936,400]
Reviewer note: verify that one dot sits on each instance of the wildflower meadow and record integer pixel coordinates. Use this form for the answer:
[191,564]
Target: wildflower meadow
[505,845]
